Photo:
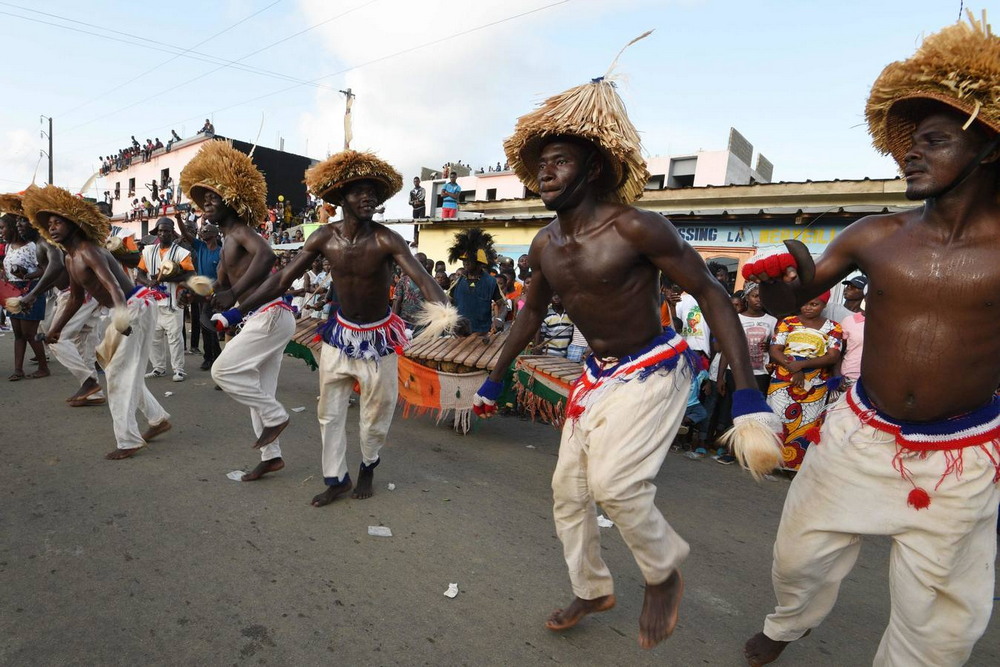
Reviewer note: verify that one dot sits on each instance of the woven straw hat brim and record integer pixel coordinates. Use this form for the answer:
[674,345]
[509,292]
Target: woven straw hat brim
[901,122]
[42,203]
[329,179]
[959,66]
[11,202]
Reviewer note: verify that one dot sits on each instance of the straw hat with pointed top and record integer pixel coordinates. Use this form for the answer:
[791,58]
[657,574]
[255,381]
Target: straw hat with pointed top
[596,114]
[42,203]
[220,168]
[958,66]
[329,178]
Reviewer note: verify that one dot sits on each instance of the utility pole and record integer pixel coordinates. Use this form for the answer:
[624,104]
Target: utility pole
[49,135]
[348,129]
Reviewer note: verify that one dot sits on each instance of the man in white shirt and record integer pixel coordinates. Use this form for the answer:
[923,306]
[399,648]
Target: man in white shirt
[170,314]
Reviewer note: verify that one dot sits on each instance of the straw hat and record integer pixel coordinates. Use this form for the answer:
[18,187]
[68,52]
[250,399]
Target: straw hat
[11,203]
[42,203]
[958,66]
[220,168]
[596,114]
[329,178]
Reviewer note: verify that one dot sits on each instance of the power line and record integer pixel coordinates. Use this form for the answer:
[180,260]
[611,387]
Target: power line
[364,64]
[383,58]
[168,60]
[210,72]
[150,45]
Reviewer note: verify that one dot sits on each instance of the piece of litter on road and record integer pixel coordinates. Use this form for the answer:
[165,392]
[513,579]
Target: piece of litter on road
[379,531]
[301,408]
[392,487]
[168,394]
[452,591]
[604,522]
[236,475]
[529,446]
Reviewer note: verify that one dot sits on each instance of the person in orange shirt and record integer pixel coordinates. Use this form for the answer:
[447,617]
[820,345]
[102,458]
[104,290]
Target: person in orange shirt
[170,313]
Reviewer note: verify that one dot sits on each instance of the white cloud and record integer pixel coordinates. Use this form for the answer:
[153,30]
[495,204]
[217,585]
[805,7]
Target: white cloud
[455,100]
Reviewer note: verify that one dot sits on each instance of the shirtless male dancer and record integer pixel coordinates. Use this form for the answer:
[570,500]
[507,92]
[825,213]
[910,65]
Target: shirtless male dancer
[911,450]
[361,340]
[231,192]
[79,338]
[603,257]
[80,228]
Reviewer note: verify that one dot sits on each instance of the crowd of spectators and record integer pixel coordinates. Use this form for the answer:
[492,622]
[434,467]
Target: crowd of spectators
[124,158]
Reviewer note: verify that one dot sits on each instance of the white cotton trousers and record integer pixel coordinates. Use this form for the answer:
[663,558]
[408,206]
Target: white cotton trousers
[248,368]
[124,373]
[79,338]
[610,456]
[379,383]
[168,338]
[941,568]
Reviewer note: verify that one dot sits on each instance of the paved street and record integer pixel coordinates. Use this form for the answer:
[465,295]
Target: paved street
[163,560]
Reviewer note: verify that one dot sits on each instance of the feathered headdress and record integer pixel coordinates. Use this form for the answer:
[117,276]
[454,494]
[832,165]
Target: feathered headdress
[220,168]
[42,203]
[11,203]
[473,243]
[958,66]
[595,113]
[329,178]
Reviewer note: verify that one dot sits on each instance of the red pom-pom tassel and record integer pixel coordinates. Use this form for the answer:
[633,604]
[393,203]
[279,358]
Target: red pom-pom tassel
[918,499]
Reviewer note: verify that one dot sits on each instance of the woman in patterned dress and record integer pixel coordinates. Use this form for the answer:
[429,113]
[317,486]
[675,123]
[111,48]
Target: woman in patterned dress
[21,267]
[805,349]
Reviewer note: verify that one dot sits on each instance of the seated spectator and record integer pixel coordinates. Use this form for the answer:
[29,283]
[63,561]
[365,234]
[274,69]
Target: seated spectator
[207,129]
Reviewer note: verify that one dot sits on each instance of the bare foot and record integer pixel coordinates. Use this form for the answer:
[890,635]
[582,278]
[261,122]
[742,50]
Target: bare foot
[660,610]
[761,649]
[366,475]
[118,454]
[264,467]
[269,434]
[40,373]
[89,387]
[331,493]
[563,619]
[156,429]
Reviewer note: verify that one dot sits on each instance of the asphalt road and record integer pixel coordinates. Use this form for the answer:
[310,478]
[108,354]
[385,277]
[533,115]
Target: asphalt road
[161,559]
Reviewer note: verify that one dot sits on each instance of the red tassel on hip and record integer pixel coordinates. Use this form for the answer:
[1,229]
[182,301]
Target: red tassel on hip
[918,499]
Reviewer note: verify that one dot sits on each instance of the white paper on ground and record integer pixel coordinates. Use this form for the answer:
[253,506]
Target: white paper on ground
[379,531]
[452,591]
[236,475]
[529,446]
[392,487]
[299,409]
[168,394]
[604,522]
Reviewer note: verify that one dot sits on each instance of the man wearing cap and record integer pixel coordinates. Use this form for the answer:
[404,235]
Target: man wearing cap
[231,192]
[80,228]
[912,450]
[854,293]
[360,341]
[604,257]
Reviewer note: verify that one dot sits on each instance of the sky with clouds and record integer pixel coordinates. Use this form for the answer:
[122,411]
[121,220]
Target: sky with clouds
[439,81]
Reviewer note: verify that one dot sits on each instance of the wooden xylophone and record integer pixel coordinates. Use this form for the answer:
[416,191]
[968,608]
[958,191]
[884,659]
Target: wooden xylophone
[459,355]
[543,384]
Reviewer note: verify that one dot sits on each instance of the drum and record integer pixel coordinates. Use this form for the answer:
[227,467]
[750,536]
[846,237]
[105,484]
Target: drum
[543,384]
